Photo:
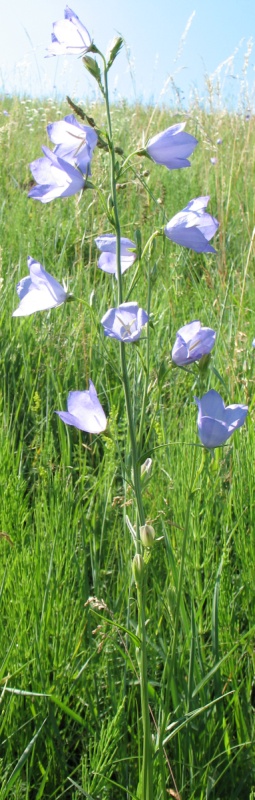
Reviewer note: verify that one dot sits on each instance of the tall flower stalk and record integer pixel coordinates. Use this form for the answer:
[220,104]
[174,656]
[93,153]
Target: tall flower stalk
[146,777]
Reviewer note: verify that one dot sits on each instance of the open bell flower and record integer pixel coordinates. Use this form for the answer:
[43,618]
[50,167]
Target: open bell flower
[69,36]
[38,291]
[107,244]
[172,147]
[125,323]
[84,411]
[55,178]
[192,343]
[74,142]
[193,227]
[216,422]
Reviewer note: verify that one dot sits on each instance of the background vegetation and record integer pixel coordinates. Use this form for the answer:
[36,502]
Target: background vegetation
[70,707]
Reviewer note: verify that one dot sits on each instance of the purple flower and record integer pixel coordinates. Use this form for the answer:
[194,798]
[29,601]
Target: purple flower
[84,411]
[55,178]
[216,422]
[125,323]
[107,244]
[171,147]
[219,141]
[213,160]
[193,227]
[192,342]
[69,36]
[75,142]
[38,291]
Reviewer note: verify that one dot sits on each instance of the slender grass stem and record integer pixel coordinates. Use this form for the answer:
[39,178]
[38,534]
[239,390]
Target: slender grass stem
[170,662]
[146,782]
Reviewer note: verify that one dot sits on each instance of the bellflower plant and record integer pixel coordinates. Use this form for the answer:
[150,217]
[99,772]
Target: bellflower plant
[216,422]
[38,291]
[63,173]
[192,342]
[107,244]
[84,411]
[74,142]
[172,147]
[125,323]
[193,227]
[55,178]
[69,36]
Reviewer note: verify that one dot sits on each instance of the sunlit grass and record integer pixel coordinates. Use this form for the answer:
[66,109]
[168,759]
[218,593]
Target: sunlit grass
[65,668]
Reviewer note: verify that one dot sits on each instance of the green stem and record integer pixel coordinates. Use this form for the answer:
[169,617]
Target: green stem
[146,778]
[146,379]
[113,186]
[136,275]
[126,160]
[146,781]
[125,379]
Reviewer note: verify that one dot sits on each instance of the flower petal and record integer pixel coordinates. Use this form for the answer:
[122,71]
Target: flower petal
[212,432]
[211,405]
[189,237]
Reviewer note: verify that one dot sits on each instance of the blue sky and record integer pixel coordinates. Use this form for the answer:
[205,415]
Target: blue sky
[158,49]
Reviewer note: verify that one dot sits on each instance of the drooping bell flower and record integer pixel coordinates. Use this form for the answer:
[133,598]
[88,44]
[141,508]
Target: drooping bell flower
[193,227]
[125,323]
[216,422]
[107,244]
[84,411]
[74,142]
[54,177]
[192,343]
[38,291]
[172,147]
[69,36]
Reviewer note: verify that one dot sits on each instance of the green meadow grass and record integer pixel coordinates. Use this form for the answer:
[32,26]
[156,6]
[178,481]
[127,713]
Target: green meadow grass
[70,703]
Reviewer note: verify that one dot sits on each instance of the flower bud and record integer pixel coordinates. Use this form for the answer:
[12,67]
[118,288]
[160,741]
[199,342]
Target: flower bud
[92,67]
[147,535]
[92,298]
[146,469]
[138,568]
[114,49]
[109,202]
